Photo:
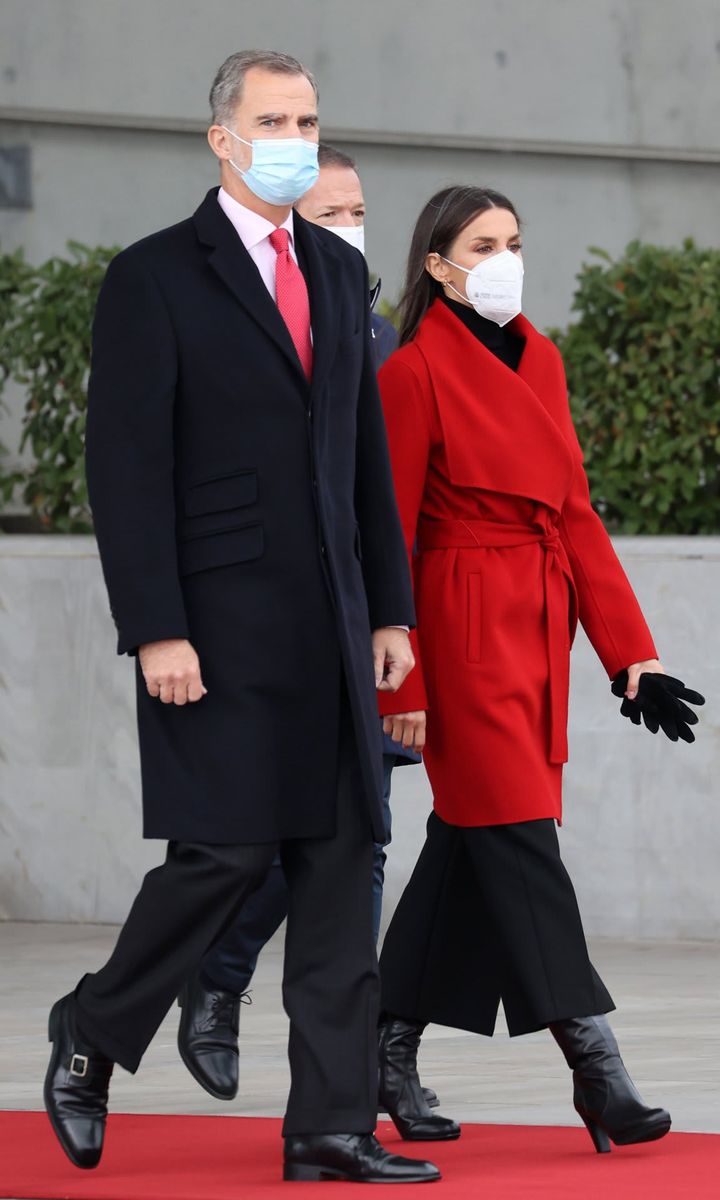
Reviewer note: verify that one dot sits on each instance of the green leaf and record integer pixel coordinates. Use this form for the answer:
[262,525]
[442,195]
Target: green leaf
[642,358]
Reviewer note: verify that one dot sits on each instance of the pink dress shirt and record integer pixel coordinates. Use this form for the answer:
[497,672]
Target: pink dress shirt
[254,233]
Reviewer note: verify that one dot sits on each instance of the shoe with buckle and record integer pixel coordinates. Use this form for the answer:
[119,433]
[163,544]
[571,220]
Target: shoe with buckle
[208,1036]
[353,1157]
[76,1088]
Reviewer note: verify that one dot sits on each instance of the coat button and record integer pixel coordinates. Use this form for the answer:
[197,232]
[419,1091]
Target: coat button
[323,549]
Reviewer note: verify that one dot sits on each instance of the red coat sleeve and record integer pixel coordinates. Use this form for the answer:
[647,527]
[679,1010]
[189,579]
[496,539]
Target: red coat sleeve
[407,421]
[608,608]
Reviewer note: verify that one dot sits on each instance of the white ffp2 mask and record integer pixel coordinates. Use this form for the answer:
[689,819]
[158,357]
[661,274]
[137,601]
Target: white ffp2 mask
[494,286]
[354,235]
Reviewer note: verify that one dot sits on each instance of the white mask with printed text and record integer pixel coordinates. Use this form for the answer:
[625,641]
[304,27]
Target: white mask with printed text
[494,286]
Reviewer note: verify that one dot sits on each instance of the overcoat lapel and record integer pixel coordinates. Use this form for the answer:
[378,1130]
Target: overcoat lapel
[232,263]
[498,430]
[325,289]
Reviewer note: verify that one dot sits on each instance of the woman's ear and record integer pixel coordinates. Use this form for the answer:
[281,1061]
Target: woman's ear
[435,266]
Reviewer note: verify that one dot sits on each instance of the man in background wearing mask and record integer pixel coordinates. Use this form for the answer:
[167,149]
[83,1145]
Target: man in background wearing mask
[337,202]
[208,1033]
[236,460]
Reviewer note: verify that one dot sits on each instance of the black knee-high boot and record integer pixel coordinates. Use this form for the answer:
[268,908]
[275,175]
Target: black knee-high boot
[605,1096]
[400,1091]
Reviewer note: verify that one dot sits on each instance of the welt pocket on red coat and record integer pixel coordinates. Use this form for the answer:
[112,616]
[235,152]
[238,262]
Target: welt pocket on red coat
[474,617]
[235,489]
[220,548]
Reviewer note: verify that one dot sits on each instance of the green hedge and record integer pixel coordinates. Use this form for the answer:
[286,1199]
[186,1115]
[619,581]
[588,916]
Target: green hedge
[13,273]
[45,346]
[641,359]
[643,368]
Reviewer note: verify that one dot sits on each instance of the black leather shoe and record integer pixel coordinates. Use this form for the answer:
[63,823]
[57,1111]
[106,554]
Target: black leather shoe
[208,1037]
[400,1093]
[354,1157]
[76,1088]
[605,1096]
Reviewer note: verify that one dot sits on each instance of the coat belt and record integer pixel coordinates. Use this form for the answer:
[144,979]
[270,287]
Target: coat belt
[557,583]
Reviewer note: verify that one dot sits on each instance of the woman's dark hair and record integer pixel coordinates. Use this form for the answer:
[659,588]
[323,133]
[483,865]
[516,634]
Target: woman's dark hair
[444,216]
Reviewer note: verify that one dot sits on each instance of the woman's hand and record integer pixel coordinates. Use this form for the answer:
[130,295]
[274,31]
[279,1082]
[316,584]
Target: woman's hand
[652,666]
[408,728]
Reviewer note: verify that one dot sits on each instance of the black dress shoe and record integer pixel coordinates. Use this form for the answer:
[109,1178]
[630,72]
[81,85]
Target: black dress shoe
[76,1088]
[354,1157]
[605,1096]
[400,1093]
[208,1037]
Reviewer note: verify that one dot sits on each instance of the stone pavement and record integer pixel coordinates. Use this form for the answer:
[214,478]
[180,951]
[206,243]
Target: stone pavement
[668,1026]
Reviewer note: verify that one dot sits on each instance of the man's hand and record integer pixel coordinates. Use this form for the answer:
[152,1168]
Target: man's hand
[408,728]
[172,671]
[394,659]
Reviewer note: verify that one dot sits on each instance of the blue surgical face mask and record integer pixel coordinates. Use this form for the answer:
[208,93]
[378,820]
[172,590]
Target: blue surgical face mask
[282,169]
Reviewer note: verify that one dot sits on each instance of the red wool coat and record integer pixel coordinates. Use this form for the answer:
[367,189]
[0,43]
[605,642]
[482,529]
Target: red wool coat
[509,554]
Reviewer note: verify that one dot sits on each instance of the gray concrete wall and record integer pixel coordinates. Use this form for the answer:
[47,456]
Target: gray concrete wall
[642,831]
[598,117]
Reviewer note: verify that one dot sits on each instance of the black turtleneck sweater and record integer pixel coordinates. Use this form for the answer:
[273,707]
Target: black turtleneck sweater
[506,346]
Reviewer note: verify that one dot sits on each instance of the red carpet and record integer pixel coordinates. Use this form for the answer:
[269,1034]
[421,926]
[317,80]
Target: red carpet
[238,1158]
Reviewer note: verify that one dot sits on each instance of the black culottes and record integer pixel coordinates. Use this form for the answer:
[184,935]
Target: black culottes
[489,915]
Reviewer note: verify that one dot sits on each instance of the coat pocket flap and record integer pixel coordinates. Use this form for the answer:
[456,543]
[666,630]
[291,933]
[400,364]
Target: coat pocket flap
[221,549]
[217,495]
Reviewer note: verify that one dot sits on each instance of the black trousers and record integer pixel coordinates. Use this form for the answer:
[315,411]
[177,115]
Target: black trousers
[230,964]
[489,915]
[330,987]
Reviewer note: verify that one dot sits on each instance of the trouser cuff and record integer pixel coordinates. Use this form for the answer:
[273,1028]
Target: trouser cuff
[308,1121]
[128,1057]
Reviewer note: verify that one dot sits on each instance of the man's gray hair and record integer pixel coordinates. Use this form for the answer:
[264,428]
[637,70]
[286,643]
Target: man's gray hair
[226,91]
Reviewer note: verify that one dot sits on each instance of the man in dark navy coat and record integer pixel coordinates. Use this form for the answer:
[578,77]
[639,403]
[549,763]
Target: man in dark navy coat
[244,511]
[210,1001]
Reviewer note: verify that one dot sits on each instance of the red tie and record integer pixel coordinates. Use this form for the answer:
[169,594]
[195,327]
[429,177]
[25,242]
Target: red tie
[292,298]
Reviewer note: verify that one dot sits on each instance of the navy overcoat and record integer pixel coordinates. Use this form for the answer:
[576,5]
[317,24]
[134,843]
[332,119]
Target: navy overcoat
[240,507]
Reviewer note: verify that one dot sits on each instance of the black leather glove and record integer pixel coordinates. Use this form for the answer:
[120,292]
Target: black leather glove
[659,703]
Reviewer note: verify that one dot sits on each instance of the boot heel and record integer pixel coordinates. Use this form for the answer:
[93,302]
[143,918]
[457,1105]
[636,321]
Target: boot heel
[307,1173]
[600,1139]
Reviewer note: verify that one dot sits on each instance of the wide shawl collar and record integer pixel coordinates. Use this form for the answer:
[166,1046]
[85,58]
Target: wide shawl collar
[504,431]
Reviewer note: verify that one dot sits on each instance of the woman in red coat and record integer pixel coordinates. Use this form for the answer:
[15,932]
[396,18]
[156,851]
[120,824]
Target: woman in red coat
[508,555]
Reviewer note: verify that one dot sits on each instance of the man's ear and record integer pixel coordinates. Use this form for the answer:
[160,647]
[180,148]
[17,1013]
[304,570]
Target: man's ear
[220,142]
